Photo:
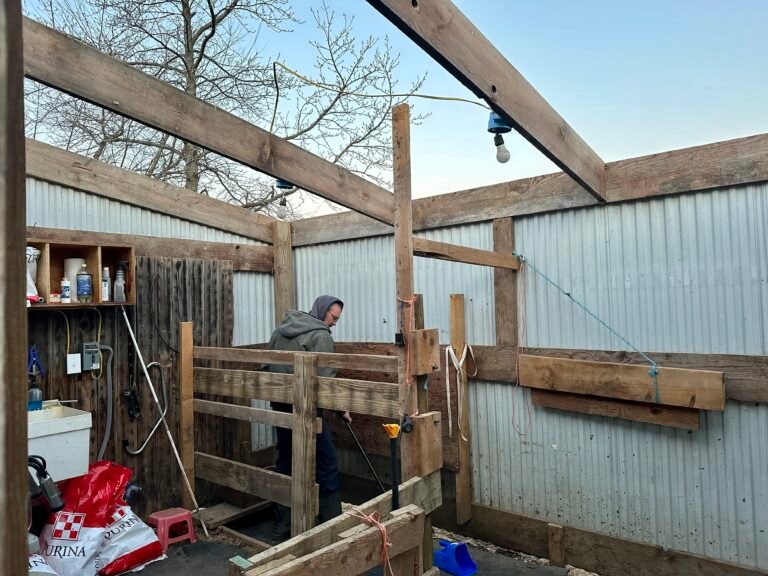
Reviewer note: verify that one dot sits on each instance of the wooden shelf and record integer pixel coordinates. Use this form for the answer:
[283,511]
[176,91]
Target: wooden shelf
[50,270]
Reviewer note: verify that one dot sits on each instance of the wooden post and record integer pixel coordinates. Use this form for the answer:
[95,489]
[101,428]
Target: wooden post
[505,284]
[303,444]
[13,316]
[187,413]
[285,292]
[555,545]
[401,144]
[464,474]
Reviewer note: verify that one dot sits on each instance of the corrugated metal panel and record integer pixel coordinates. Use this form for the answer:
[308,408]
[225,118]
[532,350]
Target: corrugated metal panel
[362,274]
[53,206]
[684,274]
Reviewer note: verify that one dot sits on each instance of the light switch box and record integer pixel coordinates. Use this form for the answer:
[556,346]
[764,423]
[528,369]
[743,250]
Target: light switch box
[73,364]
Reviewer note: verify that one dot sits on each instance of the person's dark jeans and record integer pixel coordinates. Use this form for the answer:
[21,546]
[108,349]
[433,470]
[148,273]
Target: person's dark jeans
[327,468]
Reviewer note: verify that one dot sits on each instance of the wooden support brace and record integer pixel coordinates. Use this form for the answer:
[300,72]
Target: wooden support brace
[285,289]
[303,443]
[187,409]
[505,285]
[452,253]
[428,445]
[555,545]
[464,474]
[425,351]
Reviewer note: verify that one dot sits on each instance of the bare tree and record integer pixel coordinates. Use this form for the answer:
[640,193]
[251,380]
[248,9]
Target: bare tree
[339,109]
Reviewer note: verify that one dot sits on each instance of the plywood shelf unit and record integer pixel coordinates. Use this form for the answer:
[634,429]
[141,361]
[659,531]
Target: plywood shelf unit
[50,270]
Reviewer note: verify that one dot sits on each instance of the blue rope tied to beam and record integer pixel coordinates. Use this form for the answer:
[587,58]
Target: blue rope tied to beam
[653,371]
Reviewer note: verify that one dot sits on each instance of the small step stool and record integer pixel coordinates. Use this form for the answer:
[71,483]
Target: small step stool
[165,520]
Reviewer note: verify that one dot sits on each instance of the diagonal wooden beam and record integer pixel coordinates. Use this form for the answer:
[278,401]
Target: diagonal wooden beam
[66,64]
[443,32]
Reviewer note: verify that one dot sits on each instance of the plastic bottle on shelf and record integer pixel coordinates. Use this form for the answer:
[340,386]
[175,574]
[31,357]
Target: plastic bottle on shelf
[34,396]
[66,291]
[106,285]
[119,295]
[84,285]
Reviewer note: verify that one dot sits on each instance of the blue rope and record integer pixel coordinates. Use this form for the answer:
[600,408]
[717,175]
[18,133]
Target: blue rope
[653,371]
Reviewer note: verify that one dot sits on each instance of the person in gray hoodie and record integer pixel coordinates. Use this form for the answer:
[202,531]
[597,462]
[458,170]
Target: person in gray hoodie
[308,332]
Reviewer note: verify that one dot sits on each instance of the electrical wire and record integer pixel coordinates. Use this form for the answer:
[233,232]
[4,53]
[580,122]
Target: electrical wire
[331,88]
[66,321]
[98,345]
[153,277]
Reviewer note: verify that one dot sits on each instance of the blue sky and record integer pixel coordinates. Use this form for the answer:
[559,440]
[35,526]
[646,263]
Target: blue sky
[630,78]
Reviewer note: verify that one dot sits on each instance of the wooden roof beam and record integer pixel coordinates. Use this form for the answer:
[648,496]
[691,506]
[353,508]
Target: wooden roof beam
[443,32]
[57,60]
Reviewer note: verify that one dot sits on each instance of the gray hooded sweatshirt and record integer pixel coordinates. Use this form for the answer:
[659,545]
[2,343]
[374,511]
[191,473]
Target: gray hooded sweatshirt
[301,332]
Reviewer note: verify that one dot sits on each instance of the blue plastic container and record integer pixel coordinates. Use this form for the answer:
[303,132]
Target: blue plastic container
[453,557]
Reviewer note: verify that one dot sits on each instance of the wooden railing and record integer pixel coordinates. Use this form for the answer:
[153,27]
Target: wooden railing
[303,389]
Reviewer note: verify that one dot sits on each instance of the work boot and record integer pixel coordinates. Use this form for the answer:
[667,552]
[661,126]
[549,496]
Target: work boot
[330,506]
[282,530]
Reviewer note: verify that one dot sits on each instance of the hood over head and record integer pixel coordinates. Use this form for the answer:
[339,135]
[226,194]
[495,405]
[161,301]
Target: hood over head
[321,306]
[296,323]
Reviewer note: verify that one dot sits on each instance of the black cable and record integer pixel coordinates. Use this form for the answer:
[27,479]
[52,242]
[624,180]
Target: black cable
[152,278]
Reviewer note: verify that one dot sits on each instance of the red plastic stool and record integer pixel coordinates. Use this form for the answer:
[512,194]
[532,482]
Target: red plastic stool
[165,520]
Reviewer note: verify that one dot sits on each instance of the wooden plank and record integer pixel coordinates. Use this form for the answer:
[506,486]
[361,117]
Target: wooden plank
[426,493]
[588,550]
[224,513]
[360,396]
[555,545]
[746,377]
[186,409]
[52,164]
[673,416]
[266,568]
[453,253]
[464,473]
[249,479]
[339,361]
[64,63]
[13,316]
[505,285]
[677,387]
[409,562]
[303,443]
[285,289]
[250,542]
[721,164]
[244,257]
[443,32]
[425,351]
[249,414]
[428,446]
[401,168]
[359,554]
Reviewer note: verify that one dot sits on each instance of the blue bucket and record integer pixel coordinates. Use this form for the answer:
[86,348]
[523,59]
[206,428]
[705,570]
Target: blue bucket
[453,557]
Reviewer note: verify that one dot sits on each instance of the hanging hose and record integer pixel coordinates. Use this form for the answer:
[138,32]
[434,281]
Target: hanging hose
[108,428]
[162,414]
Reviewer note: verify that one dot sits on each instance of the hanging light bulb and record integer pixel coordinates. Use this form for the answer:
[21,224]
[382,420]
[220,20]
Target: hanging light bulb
[285,188]
[498,126]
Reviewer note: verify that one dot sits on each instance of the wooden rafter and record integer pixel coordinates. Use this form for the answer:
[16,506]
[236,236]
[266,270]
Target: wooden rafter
[62,62]
[444,33]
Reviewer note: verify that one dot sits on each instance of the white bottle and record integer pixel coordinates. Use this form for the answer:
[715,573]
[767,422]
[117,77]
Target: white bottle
[66,294]
[106,284]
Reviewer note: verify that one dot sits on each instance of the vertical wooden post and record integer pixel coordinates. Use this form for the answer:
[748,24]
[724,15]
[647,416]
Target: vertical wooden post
[505,284]
[303,443]
[464,474]
[13,316]
[187,413]
[285,290]
[555,545]
[401,144]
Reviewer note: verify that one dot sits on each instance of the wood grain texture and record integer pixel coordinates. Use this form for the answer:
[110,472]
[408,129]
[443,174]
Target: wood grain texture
[505,285]
[426,493]
[59,61]
[428,450]
[464,473]
[303,442]
[13,316]
[339,361]
[673,416]
[555,545]
[244,257]
[677,387]
[249,414]
[52,164]
[186,408]
[424,350]
[444,33]
[251,479]
[453,253]
[728,163]
[285,284]
[361,553]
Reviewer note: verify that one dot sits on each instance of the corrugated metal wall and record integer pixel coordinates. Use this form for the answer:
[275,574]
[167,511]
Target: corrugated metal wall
[686,273]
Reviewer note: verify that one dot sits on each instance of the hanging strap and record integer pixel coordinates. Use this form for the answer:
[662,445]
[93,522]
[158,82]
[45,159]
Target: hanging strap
[458,364]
